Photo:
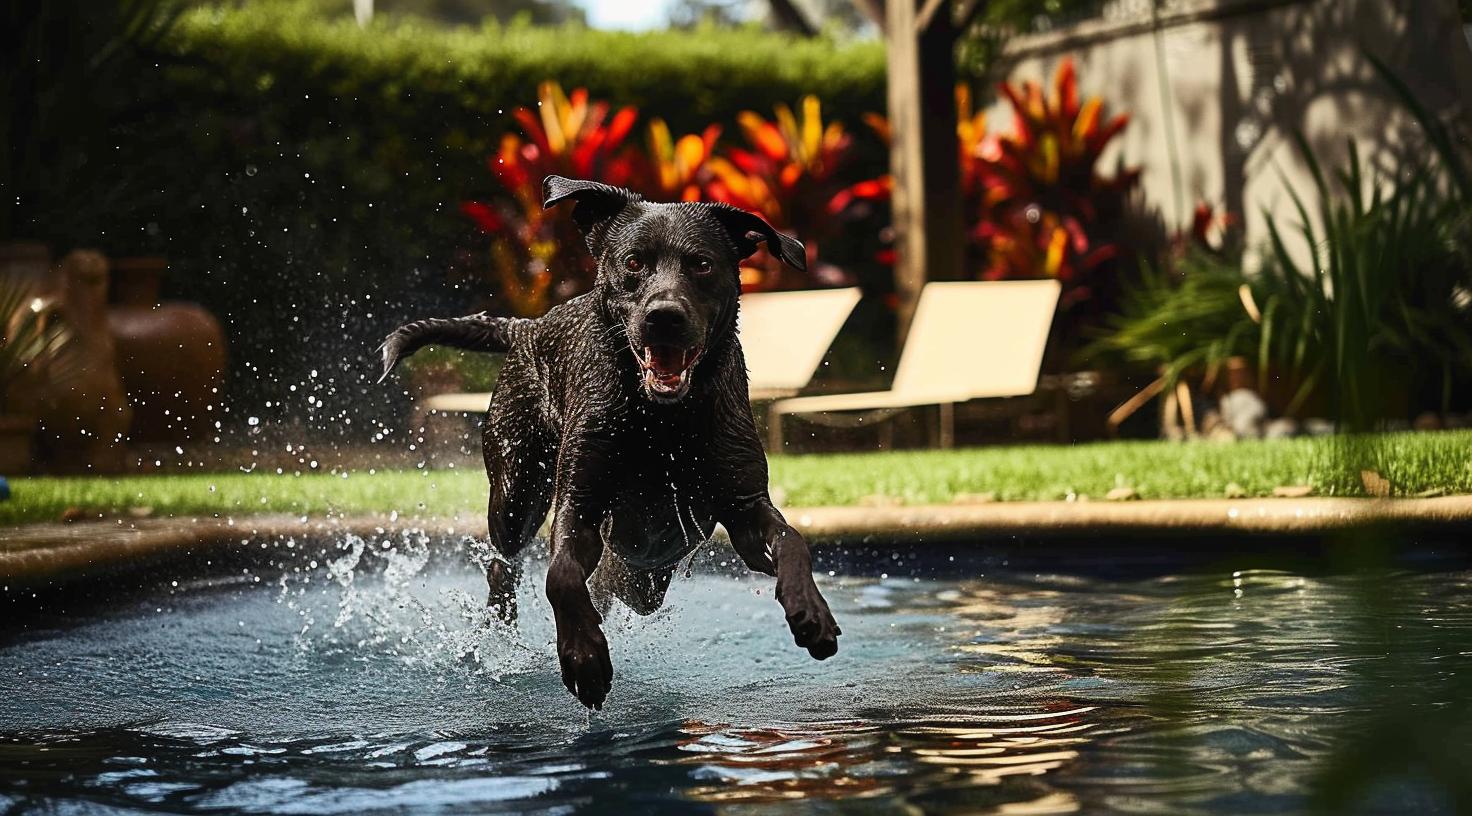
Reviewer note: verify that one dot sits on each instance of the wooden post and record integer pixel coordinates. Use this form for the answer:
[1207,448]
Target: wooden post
[921,38]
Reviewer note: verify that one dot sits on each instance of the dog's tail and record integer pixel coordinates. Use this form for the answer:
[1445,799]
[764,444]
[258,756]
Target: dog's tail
[477,332]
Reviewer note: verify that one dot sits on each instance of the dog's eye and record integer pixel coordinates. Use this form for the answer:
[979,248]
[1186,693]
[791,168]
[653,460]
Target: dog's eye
[700,266]
[632,263]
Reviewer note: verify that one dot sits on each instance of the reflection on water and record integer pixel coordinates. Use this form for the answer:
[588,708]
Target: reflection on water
[366,677]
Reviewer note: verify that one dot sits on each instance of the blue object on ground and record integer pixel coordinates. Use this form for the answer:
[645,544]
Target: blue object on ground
[4,489]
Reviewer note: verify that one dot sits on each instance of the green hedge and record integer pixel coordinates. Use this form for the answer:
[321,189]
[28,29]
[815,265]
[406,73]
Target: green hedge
[691,78]
[303,174]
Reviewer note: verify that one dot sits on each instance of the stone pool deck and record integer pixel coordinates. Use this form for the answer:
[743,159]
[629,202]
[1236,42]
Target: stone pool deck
[53,553]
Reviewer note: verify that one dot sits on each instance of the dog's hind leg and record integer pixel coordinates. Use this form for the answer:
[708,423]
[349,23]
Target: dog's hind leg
[516,511]
[517,464]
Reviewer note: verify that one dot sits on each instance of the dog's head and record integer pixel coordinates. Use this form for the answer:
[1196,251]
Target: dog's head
[667,272]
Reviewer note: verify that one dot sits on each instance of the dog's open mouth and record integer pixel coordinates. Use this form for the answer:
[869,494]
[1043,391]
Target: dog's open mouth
[666,369]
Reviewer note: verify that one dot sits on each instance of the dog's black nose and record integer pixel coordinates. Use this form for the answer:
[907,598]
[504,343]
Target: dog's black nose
[665,321]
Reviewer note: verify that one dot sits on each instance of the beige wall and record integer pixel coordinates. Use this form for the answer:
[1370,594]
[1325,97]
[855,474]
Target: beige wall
[1217,87]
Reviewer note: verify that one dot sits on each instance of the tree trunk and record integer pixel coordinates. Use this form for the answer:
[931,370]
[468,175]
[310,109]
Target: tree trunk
[923,153]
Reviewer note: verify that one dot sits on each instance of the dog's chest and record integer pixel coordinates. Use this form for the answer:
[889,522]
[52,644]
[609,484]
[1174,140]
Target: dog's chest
[662,506]
[660,459]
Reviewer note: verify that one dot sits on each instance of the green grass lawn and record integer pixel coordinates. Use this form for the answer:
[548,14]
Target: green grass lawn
[1414,463]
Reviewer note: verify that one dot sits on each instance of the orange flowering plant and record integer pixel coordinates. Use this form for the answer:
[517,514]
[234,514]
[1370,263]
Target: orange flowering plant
[676,167]
[1037,204]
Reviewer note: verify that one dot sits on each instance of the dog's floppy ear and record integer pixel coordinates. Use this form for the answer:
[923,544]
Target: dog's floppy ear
[748,229]
[596,202]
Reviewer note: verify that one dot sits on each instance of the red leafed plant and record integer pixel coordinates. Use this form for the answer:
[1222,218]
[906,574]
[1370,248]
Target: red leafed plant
[787,173]
[1036,204]
[676,168]
[1047,211]
[534,257]
[970,133]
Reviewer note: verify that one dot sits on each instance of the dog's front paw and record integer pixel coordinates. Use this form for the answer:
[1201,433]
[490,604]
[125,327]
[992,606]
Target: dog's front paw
[813,627]
[587,670]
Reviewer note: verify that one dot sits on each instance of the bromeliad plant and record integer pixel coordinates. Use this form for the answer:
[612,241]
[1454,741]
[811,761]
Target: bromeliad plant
[1038,207]
[1047,210]
[531,248]
[788,172]
[784,173]
[1037,204]
[676,168]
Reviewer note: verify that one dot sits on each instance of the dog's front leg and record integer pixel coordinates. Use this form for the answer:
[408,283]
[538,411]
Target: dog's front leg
[582,650]
[760,528]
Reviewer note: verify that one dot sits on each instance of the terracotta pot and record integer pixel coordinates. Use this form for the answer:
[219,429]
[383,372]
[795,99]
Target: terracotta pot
[16,434]
[171,355]
[84,420]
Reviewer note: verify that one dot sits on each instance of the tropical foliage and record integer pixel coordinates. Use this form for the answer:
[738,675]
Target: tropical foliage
[531,249]
[787,171]
[1048,211]
[1369,312]
[1036,201]
[1383,303]
[674,166]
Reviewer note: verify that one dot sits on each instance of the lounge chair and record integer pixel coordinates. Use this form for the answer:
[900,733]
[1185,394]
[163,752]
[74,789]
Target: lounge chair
[968,340]
[783,334]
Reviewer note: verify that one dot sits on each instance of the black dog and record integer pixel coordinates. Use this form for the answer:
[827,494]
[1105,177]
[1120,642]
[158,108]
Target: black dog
[628,405]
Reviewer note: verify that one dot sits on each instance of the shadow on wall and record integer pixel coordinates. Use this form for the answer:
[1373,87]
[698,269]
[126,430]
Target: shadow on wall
[1217,88]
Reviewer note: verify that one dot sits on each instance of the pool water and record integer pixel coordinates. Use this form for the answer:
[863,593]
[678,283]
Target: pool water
[364,678]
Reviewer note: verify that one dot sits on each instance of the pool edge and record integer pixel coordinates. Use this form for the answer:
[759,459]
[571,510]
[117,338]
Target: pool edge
[50,553]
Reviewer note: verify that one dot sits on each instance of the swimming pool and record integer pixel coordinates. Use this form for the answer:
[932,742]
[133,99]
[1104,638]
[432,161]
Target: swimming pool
[363,677]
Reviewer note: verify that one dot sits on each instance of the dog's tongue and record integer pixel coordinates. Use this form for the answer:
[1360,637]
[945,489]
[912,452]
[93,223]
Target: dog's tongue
[666,360]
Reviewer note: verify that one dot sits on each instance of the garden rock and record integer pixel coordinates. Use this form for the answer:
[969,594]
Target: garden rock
[1280,428]
[1244,412]
[1317,426]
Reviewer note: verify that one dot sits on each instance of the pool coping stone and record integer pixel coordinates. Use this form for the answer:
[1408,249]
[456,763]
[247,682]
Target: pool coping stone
[55,552]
